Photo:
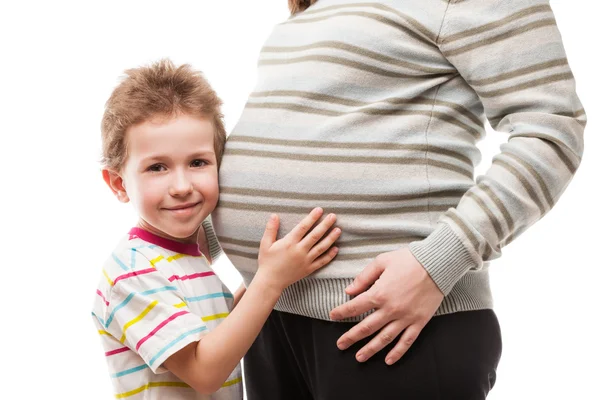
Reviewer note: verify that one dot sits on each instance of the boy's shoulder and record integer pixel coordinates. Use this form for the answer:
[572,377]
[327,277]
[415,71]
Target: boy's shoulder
[130,256]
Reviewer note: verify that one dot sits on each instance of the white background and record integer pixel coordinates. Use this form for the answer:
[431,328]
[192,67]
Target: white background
[59,63]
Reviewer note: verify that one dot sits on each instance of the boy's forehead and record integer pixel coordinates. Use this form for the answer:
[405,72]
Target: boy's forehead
[181,133]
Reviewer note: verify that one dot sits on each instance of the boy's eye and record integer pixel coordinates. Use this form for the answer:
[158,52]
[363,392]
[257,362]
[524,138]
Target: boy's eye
[197,163]
[156,168]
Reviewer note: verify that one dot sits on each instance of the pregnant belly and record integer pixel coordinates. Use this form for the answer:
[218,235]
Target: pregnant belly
[378,208]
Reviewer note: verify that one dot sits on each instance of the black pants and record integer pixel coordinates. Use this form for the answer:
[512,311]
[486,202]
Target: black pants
[296,358]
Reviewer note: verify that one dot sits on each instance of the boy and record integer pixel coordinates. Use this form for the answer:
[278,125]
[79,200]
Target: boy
[159,308]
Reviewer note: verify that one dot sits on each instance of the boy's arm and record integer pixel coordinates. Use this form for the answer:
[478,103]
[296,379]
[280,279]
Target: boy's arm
[206,365]
[238,294]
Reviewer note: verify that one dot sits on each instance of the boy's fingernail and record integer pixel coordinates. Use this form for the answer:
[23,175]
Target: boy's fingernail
[273,216]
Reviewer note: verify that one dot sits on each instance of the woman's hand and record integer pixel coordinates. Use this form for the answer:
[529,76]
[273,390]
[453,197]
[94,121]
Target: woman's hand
[404,297]
[298,254]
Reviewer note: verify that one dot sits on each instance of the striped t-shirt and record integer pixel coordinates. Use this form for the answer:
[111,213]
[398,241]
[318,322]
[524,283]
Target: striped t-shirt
[373,111]
[155,297]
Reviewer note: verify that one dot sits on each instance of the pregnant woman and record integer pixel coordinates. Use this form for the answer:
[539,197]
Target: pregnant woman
[372,110]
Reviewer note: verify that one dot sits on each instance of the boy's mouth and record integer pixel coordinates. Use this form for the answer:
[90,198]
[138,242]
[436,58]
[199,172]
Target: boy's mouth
[182,206]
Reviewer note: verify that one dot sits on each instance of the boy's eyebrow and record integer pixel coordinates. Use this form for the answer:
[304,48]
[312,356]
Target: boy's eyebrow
[162,157]
[155,157]
[201,153]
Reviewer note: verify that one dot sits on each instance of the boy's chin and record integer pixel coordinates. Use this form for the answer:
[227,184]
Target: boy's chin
[185,235]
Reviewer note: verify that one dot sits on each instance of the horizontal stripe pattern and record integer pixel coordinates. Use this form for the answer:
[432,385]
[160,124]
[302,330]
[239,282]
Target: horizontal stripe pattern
[158,327]
[163,300]
[350,197]
[175,341]
[354,50]
[373,111]
[191,276]
[476,132]
[149,386]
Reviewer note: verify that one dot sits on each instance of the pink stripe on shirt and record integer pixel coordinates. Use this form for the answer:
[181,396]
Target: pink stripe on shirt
[102,296]
[134,273]
[116,351]
[158,327]
[191,276]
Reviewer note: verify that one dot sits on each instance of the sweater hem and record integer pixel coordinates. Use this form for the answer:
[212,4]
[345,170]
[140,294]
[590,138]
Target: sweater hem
[315,298]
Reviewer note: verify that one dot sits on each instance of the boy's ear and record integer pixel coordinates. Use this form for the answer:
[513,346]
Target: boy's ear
[116,184]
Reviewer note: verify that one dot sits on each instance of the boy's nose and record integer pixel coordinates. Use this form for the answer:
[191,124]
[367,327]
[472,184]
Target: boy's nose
[181,185]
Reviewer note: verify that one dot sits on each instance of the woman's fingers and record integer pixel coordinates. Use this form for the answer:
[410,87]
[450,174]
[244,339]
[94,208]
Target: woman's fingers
[304,226]
[366,278]
[383,338]
[352,308]
[317,233]
[407,339]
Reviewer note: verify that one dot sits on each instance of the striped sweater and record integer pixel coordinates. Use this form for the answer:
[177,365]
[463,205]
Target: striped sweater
[373,110]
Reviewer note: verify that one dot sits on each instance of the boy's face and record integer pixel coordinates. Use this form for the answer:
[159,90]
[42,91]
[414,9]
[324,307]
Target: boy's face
[170,175]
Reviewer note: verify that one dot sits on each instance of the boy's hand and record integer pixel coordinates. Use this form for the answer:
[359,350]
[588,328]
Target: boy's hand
[298,254]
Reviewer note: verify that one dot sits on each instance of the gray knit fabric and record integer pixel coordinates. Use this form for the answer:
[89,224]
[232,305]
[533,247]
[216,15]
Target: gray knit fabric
[373,110]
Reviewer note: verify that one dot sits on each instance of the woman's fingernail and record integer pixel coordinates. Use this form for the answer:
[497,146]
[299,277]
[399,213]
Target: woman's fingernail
[360,357]
[342,346]
[389,361]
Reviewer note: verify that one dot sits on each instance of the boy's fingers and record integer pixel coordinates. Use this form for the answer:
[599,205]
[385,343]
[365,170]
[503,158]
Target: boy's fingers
[300,230]
[324,244]
[316,234]
[270,235]
[324,259]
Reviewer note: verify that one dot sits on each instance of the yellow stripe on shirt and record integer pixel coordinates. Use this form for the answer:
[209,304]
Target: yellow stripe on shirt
[138,318]
[215,316]
[155,260]
[175,257]
[150,385]
[232,382]
[111,283]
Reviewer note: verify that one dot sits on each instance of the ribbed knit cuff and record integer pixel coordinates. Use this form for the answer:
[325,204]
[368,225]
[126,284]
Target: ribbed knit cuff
[444,256]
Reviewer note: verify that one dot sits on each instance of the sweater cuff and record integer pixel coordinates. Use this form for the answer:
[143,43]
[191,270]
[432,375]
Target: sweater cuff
[444,257]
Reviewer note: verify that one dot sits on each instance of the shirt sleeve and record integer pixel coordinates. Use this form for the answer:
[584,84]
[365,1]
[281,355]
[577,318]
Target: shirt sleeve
[511,54]
[148,314]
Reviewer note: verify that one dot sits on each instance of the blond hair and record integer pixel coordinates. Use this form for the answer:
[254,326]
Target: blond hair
[159,89]
[296,6]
